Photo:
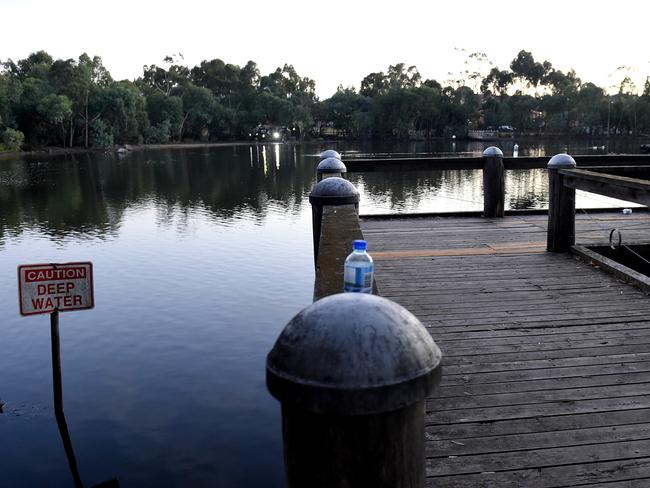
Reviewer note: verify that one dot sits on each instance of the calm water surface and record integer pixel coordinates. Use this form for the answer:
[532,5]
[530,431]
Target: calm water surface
[201,256]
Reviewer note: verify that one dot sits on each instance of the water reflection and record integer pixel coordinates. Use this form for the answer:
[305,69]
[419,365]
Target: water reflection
[72,459]
[89,194]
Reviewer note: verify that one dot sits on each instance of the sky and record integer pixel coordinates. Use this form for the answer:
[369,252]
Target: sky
[336,42]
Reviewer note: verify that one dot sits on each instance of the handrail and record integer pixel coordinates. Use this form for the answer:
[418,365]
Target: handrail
[362,165]
[565,179]
[613,186]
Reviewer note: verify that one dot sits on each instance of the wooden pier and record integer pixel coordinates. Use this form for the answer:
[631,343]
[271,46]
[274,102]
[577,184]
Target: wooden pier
[546,359]
[545,371]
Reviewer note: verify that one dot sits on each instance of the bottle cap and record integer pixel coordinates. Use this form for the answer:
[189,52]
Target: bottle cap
[360,245]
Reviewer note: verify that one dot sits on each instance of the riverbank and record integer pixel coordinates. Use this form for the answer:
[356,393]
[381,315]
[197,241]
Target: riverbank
[632,143]
[57,151]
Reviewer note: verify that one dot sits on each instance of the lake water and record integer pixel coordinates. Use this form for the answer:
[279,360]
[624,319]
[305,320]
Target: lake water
[201,256]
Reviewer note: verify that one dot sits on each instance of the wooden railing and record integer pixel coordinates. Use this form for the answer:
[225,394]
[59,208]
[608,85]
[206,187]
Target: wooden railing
[609,185]
[364,165]
[565,179]
[494,164]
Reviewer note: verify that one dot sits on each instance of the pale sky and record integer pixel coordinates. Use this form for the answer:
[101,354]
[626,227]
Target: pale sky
[336,42]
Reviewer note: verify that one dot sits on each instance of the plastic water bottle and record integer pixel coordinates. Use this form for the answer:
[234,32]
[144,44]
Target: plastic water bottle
[358,270]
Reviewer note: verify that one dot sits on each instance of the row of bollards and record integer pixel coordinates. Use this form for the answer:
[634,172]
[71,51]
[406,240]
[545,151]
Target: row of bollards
[352,372]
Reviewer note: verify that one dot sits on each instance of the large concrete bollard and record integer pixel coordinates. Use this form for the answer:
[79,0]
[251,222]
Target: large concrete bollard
[330,153]
[352,372]
[330,191]
[561,233]
[494,186]
[329,167]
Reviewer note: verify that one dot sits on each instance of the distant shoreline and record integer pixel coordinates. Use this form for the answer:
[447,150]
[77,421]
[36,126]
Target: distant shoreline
[56,151]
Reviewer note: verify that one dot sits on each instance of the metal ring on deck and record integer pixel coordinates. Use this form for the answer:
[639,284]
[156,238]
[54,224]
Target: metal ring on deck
[611,236]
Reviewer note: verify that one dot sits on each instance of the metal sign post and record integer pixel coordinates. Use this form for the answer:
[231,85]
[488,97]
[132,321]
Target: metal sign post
[57,383]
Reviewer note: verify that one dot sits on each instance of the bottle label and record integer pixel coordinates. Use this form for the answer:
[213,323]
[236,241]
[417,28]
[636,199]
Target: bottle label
[358,279]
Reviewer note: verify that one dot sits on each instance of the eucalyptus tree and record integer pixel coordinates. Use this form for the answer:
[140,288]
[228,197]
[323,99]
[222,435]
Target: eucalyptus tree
[527,71]
[123,108]
[165,79]
[349,111]
[10,93]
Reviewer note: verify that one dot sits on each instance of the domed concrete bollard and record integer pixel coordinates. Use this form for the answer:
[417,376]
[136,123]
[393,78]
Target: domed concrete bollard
[494,183]
[561,233]
[352,372]
[330,153]
[330,191]
[329,167]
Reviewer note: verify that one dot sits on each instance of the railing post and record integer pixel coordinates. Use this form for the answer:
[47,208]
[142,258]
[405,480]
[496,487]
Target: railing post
[494,185]
[330,191]
[329,167]
[561,206]
[351,372]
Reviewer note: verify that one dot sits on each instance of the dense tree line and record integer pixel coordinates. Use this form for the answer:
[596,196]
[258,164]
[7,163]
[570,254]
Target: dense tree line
[47,102]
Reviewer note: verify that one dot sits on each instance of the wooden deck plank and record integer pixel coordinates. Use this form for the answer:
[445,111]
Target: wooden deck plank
[546,369]
[548,424]
[537,440]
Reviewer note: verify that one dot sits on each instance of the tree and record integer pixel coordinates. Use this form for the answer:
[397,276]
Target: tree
[124,108]
[10,93]
[165,80]
[374,84]
[164,112]
[36,65]
[12,139]
[400,77]
[198,110]
[529,72]
[92,79]
[343,109]
[497,82]
[56,110]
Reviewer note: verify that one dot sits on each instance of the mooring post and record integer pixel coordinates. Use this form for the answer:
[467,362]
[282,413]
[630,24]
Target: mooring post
[561,233]
[330,153]
[494,186]
[330,191]
[351,372]
[329,167]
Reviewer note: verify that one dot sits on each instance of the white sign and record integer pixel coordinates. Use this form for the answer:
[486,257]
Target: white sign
[45,288]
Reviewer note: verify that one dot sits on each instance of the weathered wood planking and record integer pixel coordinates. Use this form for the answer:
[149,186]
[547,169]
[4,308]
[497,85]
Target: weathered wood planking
[546,359]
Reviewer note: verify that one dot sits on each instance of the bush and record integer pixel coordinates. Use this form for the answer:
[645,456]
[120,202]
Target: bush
[12,139]
[157,134]
[101,134]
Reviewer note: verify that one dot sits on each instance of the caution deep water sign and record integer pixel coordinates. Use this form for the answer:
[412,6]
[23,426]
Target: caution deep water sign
[45,288]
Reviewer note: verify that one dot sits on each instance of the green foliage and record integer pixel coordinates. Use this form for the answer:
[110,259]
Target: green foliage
[12,139]
[158,134]
[76,102]
[55,108]
[124,109]
[101,134]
